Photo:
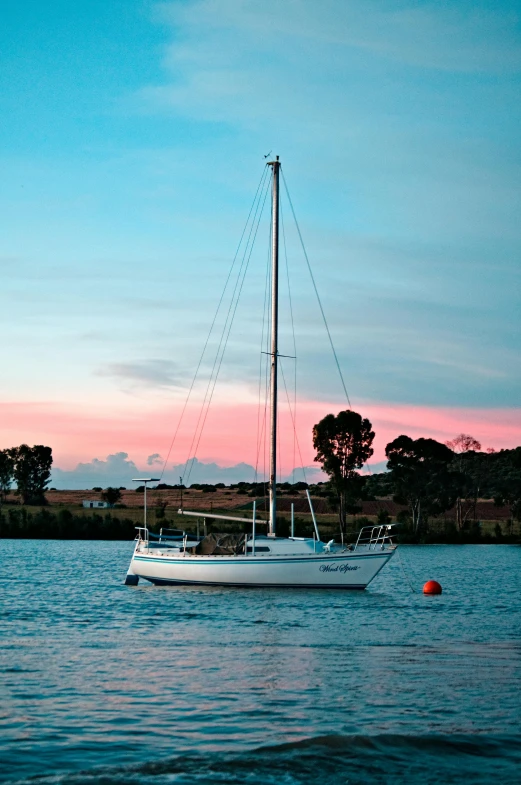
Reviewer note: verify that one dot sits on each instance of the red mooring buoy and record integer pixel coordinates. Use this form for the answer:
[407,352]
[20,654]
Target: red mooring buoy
[432,587]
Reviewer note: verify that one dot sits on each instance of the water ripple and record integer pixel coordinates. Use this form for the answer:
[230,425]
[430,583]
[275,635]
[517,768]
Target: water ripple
[105,683]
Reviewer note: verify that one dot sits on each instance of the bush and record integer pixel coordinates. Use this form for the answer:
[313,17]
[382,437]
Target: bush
[64,525]
[362,521]
[282,527]
[383,517]
[111,495]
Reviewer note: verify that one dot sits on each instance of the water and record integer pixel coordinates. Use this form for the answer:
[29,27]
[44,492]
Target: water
[102,683]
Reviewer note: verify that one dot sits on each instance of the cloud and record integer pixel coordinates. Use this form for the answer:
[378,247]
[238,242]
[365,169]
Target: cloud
[310,474]
[145,373]
[265,59]
[117,470]
[200,472]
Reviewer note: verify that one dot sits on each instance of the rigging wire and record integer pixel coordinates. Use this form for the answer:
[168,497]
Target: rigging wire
[293,421]
[210,380]
[292,329]
[267,289]
[264,375]
[315,288]
[317,295]
[232,310]
[231,321]
[319,303]
[209,383]
[279,450]
[259,188]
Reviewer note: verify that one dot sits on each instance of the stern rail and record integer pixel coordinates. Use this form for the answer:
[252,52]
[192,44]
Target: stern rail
[372,537]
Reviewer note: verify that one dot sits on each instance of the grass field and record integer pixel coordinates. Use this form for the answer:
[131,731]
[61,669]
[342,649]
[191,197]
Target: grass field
[230,502]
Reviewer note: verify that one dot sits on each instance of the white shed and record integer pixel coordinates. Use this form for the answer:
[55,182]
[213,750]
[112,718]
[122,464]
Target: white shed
[96,505]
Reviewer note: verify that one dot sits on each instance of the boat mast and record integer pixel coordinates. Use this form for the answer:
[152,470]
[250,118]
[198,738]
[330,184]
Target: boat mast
[274,344]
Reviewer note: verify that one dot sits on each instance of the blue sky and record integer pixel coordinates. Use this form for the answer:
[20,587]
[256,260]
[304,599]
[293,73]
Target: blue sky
[132,140]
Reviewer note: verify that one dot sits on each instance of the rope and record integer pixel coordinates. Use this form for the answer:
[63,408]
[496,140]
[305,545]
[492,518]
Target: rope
[316,290]
[404,573]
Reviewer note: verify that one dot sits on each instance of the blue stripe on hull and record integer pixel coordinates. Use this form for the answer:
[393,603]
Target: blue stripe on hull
[171,582]
[226,560]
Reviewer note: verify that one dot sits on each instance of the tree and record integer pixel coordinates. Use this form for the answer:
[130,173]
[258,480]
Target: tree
[32,472]
[421,476]
[161,505]
[343,444]
[383,518]
[464,448]
[463,443]
[7,460]
[111,495]
[509,485]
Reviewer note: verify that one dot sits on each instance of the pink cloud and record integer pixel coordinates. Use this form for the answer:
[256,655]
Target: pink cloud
[230,435]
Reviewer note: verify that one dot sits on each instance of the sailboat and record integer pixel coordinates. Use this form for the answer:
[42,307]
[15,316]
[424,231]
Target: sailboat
[263,560]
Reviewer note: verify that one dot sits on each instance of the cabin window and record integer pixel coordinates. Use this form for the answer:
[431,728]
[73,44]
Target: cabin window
[258,549]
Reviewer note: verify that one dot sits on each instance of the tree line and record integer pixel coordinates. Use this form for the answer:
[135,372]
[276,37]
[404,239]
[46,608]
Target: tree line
[425,475]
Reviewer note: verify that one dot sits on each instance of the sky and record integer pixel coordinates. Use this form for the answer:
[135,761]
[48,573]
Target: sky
[132,141]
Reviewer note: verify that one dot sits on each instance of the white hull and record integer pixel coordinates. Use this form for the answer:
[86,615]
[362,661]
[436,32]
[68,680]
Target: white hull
[346,570]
